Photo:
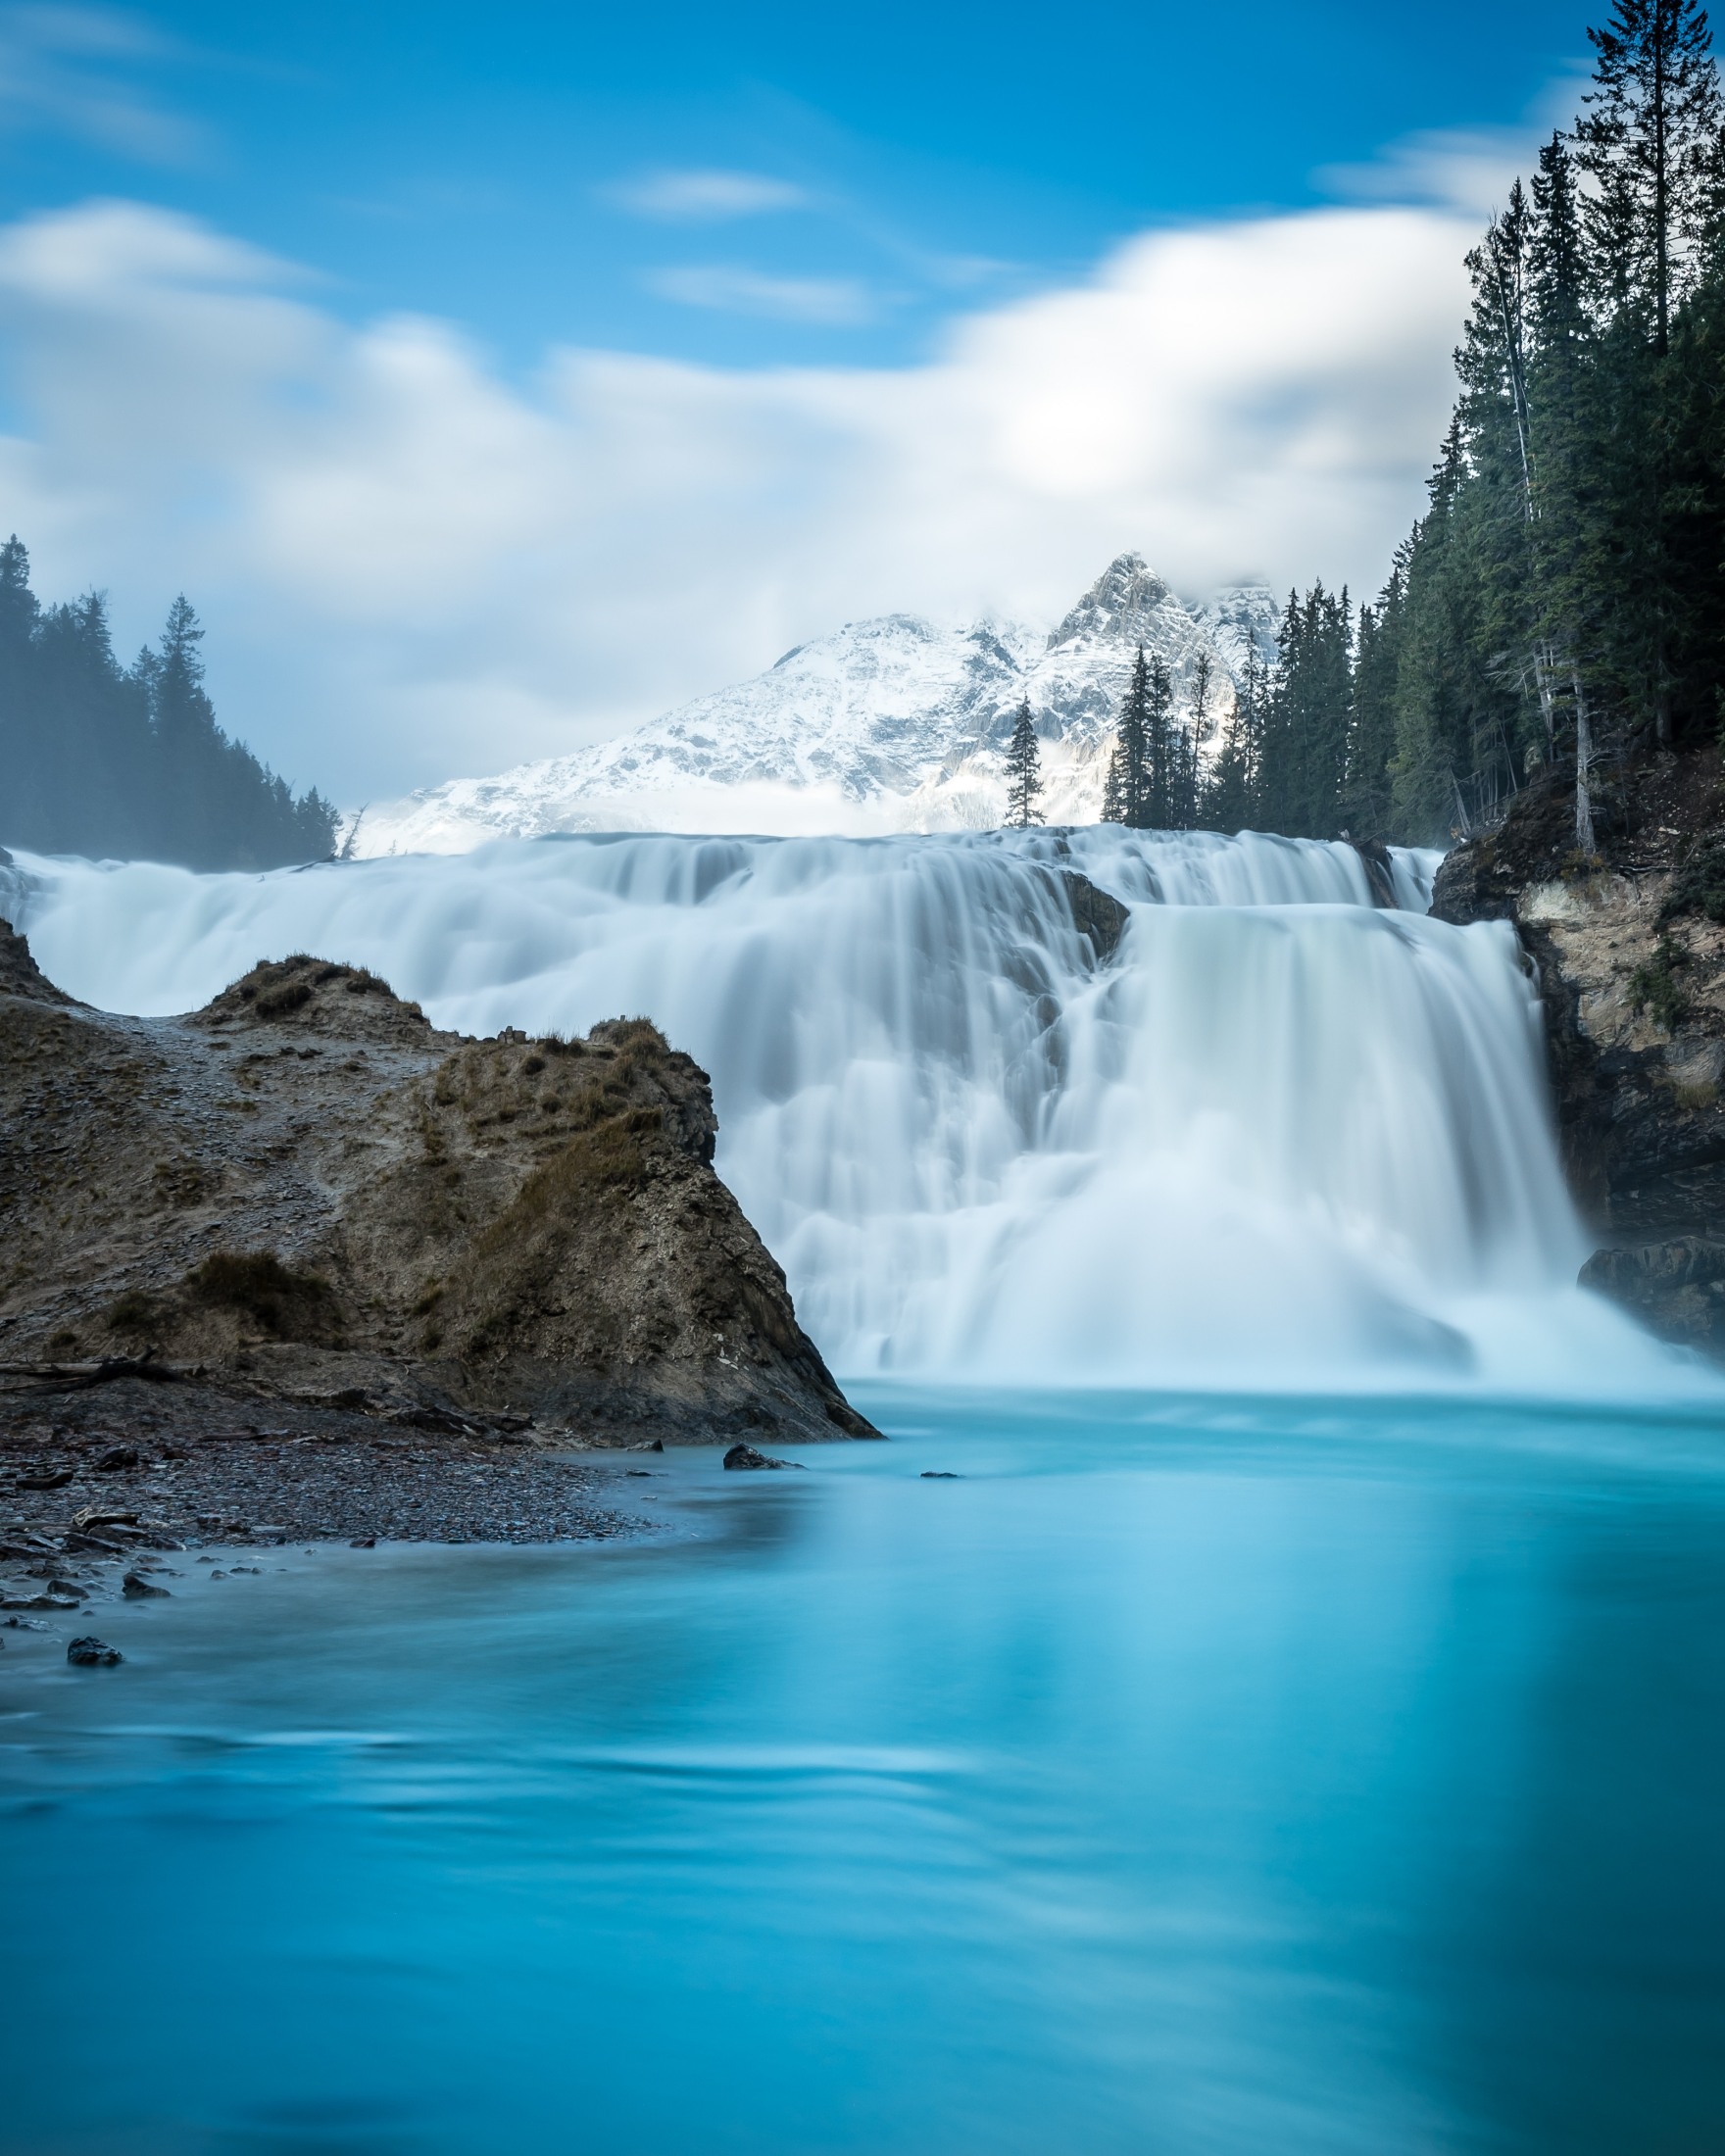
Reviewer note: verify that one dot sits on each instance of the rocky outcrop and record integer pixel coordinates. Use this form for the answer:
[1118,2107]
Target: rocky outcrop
[1628,947]
[304,1190]
[1096,913]
[20,974]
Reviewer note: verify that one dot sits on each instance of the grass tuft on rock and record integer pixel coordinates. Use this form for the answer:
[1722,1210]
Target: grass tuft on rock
[293,1305]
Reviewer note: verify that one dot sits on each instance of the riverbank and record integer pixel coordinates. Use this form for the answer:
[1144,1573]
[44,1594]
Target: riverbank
[102,1482]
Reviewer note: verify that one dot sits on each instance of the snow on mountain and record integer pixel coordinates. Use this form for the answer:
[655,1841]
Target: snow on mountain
[891,724]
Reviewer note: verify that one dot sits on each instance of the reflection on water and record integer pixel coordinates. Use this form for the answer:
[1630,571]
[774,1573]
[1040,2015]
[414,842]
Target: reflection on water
[1186,1779]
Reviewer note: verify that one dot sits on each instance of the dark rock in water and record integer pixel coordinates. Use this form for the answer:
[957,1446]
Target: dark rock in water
[1676,1289]
[135,1587]
[940,1475]
[746,1456]
[90,1653]
[38,1602]
[1096,913]
[74,1587]
[1380,871]
[363,1541]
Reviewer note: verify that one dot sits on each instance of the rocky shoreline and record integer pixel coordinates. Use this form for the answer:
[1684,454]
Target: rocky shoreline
[101,1485]
[300,1268]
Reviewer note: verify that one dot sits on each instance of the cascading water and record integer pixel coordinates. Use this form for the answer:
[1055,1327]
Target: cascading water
[1278,1135]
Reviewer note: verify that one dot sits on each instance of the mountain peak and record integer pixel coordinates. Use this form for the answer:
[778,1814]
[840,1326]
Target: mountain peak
[1126,604]
[893,722]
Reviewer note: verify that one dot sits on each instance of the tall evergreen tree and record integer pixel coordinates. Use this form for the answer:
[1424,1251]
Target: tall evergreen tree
[1162,746]
[1646,136]
[1366,802]
[1114,787]
[1230,795]
[1024,772]
[1135,781]
[1189,739]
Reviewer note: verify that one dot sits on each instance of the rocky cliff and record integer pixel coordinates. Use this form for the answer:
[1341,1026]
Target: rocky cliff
[309,1192]
[1628,946]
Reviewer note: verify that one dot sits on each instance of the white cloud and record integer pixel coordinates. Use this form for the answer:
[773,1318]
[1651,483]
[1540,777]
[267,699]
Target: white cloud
[705,197]
[412,567]
[836,302]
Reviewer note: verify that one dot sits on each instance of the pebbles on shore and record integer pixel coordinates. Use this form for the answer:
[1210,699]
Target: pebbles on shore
[199,1475]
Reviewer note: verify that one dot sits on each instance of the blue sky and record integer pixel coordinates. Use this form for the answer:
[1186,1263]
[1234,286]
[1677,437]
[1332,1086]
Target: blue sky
[494,379]
[496,165]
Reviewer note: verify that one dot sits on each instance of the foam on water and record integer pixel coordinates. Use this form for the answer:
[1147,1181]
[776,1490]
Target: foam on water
[1279,1138]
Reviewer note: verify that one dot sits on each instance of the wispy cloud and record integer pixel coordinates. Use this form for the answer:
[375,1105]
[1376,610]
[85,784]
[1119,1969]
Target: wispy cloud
[705,196]
[831,302]
[72,71]
[1462,171]
[1464,168]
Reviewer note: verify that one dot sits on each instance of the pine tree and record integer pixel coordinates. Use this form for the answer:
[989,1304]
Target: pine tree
[1367,805]
[1648,141]
[1024,772]
[1113,789]
[1162,746]
[1135,749]
[1228,796]
[1652,123]
[1189,745]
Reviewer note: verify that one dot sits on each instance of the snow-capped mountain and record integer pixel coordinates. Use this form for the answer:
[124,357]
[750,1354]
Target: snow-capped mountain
[890,724]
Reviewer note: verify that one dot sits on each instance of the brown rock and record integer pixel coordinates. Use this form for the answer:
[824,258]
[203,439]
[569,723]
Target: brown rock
[305,1189]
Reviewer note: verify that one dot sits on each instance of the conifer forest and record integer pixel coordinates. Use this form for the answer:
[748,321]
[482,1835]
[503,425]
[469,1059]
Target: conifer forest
[1559,601]
[104,759]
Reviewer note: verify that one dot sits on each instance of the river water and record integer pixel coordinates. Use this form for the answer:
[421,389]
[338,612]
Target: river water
[1203,1775]
[1313,1745]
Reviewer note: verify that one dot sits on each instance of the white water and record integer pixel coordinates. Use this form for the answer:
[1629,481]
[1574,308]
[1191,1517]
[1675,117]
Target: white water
[1283,1139]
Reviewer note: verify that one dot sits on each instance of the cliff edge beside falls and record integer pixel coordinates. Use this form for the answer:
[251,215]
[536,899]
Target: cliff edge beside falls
[305,1192]
[1629,950]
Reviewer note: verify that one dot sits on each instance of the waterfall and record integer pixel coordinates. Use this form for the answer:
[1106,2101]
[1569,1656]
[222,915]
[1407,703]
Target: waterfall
[1273,1136]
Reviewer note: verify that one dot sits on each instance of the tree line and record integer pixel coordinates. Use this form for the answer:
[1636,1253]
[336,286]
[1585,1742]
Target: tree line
[129,763]
[1562,602]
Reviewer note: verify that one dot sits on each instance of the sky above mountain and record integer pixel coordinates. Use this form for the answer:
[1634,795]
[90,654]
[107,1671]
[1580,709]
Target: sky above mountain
[492,378]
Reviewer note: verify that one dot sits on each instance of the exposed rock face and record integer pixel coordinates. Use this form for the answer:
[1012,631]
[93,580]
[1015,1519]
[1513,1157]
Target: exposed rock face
[20,974]
[1629,949]
[305,1187]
